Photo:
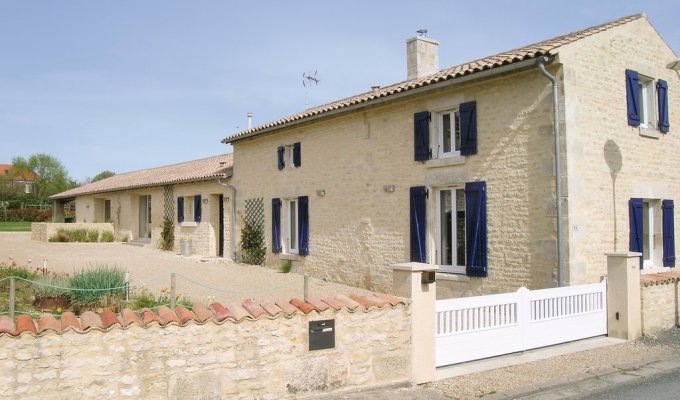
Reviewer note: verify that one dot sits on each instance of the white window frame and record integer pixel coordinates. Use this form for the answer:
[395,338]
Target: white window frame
[288,156]
[647,102]
[454,125]
[455,269]
[290,226]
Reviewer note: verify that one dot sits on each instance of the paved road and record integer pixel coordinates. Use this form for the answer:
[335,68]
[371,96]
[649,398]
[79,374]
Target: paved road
[663,386]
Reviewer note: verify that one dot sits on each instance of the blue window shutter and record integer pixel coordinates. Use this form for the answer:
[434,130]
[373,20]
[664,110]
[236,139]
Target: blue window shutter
[279,154]
[276,226]
[418,206]
[297,155]
[662,93]
[197,208]
[633,97]
[421,136]
[303,225]
[180,209]
[668,233]
[468,128]
[635,217]
[475,229]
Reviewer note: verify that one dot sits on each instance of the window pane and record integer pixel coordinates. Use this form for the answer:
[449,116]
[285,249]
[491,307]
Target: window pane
[457,125]
[460,227]
[293,224]
[446,133]
[445,227]
[646,228]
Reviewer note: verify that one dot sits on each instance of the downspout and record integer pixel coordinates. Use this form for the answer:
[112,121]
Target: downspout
[558,175]
[233,216]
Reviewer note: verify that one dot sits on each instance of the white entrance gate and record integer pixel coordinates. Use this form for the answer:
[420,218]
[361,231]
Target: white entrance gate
[473,328]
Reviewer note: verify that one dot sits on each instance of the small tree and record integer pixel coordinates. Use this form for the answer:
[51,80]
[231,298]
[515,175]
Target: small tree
[252,244]
[168,235]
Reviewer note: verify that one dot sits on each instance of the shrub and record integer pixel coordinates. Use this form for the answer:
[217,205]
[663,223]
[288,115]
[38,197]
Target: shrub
[107,237]
[80,235]
[12,269]
[26,215]
[286,266]
[168,235]
[252,244]
[92,236]
[46,286]
[100,286]
[145,299]
[124,237]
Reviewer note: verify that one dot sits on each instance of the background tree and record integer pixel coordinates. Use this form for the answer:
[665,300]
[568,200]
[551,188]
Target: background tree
[52,175]
[103,175]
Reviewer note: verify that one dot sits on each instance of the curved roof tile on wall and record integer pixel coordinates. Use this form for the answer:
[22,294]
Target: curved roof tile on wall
[544,48]
[188,171]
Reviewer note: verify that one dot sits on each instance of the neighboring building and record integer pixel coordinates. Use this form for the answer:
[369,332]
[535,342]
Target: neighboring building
[21,181]
[456,167]
[192,194]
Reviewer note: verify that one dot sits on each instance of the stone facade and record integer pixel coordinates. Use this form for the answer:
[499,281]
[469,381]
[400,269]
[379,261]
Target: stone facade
[660,303]
[609,162]
[265,359]
[357,227]
[125,214]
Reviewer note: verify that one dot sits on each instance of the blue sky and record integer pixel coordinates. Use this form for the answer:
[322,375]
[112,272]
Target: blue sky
[125,85]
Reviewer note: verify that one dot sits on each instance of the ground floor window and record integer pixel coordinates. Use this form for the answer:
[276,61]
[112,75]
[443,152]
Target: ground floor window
[450,208]
[290,233]
[652,232]
[290,225]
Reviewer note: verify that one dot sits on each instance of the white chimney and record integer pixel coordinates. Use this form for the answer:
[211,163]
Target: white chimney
[422,57]
[250,120]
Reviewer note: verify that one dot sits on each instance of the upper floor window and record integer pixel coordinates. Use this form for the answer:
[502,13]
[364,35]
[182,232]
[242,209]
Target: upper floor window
[449,134]
[455,132]
[647,102]
[289,156]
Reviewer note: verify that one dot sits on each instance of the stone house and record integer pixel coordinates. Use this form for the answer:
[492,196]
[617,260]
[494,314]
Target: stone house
[456,167]
[19,181]
[195,195]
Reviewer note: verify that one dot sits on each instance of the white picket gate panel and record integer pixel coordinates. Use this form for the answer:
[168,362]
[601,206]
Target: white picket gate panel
[473,328]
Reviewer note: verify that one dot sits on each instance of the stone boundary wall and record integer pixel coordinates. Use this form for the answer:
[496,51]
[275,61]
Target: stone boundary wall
[263,358]
[42,231]
[660,302]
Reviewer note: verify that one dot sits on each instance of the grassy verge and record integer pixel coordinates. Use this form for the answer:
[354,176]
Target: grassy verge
[15,226]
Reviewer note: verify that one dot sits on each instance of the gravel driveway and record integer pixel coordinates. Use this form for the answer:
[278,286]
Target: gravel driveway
[215,278]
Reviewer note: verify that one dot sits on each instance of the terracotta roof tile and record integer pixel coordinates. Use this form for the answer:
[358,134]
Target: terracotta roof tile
[253,308]
[148,316]
[129,317]
[24,323]
[166,316]
[188,171]
[660,278]
[548,47]
[7,325]
[237,311]
[220,312]
[48,322]
[349,303]
[69,321]
[317,303]
[185,315]
[90,319]
[393,300]
[201,312]
[287,308]
[306,308]
[271,308]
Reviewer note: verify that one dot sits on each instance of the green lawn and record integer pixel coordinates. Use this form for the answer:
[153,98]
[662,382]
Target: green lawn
[15,226]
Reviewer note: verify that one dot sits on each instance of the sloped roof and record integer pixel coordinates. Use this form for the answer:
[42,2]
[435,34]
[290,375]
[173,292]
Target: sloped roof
[188,171]
[30,176]
[545,48]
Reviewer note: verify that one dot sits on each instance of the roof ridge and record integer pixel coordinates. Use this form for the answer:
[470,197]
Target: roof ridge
[529,51]
[233,312]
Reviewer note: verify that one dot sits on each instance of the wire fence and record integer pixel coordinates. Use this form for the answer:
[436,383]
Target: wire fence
[182,290]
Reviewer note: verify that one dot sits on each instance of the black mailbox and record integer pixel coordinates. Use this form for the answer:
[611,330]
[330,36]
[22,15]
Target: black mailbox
[321,334]
[427,277]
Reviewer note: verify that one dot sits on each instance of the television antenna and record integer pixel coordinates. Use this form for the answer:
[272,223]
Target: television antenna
[308,80]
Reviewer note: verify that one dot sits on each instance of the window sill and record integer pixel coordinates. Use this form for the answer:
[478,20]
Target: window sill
[649,132]
[445,162]
[654,270]
[184,224]
[292,257]
[450,276]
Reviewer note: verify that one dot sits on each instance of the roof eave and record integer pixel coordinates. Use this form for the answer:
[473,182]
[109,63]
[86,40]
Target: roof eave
[493,71]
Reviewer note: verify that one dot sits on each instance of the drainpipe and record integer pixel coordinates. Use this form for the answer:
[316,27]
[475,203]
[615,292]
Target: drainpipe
[558,175]
[233,216]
